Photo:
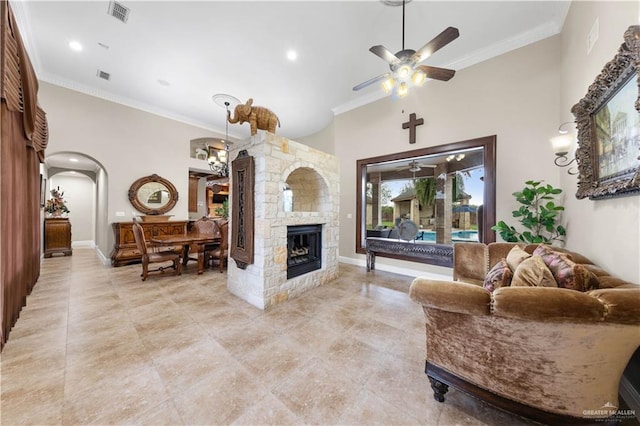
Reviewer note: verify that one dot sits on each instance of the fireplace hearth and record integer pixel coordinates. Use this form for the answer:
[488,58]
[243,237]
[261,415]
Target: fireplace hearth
[304,249]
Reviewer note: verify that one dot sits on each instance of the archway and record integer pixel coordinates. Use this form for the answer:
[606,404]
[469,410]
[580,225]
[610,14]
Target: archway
[84,181]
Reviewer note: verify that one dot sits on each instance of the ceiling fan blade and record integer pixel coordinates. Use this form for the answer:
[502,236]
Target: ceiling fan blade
[437,73]
[385,54]
[371,81]
[441,40]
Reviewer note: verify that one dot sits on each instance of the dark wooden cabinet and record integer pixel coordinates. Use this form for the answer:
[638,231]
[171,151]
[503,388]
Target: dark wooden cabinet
[193,194]
[57,236]
[125,250]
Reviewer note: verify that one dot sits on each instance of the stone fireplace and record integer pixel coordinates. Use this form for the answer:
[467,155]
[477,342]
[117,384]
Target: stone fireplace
[296,195]
[304,249]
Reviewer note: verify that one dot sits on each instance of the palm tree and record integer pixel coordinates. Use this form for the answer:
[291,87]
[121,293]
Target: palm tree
[425,191]
[458,185]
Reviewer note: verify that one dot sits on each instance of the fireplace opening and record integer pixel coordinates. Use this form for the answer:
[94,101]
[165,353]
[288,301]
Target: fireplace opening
[304,249]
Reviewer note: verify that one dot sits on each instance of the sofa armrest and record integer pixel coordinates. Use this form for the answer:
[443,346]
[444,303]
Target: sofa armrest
[451,296]
[622,305]
[546,304]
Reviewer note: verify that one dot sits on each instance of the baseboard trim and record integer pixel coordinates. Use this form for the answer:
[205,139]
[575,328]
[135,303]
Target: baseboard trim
[630,395]
[106,261]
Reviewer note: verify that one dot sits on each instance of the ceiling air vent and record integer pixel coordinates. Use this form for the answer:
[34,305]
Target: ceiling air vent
[118,11]
[104,75]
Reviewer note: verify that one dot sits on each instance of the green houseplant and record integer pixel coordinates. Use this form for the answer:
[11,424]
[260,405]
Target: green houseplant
[538,213]
[223,211]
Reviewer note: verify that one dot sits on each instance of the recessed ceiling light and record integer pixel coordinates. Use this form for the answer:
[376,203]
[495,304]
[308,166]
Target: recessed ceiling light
[75,160]
[75,45]
[292,55]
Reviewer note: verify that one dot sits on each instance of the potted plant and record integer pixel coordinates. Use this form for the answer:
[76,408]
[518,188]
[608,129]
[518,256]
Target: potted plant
[223,211]
[56,205]
[538,213]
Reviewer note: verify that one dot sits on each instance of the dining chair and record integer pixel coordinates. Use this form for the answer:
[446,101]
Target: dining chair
[154,256]
[204,226]
[220,253]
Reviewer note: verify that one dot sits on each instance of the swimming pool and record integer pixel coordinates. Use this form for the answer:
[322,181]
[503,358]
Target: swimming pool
[455,236]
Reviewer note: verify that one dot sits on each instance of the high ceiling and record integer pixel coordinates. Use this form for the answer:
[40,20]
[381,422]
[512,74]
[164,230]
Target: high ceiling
[171,57]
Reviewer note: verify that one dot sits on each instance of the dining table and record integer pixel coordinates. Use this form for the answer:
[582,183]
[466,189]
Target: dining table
[185,240]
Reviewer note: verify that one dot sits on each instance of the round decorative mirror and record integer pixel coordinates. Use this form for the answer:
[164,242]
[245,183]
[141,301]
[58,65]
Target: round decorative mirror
[153,195]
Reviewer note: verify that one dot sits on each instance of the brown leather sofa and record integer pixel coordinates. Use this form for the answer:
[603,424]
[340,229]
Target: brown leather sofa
[555,355]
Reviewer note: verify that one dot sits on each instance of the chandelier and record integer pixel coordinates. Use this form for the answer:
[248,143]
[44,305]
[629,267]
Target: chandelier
[218,158]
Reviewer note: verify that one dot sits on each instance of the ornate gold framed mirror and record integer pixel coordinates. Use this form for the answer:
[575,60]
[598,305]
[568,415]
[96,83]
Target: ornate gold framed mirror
[153,195]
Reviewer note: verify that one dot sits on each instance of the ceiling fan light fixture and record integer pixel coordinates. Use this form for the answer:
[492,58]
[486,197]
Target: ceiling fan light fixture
[403,64]
[388,84]
[418,78]
[403,89]
[404,71]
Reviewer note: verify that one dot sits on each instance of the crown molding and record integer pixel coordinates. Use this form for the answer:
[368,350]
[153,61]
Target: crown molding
[122,100]
[22,19]
[540,33]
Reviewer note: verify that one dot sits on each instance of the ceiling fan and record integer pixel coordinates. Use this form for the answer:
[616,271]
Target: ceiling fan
[414,166]
[404,64]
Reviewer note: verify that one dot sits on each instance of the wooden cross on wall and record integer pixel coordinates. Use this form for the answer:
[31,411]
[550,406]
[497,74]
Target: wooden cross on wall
[411,125]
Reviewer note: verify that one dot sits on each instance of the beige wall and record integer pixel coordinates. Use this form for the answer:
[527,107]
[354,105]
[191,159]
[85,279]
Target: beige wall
[129,144]
[514,96]
[103,228]
[322,140]
[607,231]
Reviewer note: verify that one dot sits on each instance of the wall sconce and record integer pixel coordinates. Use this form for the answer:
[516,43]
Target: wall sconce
[560,145]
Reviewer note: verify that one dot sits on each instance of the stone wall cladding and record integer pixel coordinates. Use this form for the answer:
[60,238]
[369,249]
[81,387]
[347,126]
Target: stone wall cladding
[315,181]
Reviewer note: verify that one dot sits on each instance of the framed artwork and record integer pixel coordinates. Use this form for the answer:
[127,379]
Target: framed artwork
[43,186]
[608,121]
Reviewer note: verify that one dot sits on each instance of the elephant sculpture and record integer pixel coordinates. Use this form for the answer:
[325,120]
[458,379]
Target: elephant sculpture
[258,117]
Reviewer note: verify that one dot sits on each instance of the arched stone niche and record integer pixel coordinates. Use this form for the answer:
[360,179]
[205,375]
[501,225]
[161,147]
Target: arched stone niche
[309,191]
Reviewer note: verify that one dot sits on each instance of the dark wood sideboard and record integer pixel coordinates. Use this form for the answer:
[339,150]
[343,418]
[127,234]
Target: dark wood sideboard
[57,236]
[125,250]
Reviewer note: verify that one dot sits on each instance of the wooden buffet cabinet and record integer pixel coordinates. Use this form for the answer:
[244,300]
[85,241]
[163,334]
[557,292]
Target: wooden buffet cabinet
[125,250]
[57,236]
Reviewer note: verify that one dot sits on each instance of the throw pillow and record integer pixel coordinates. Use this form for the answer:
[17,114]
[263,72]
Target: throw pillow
[533,272]
[515,257]
[499,276]
[567,273]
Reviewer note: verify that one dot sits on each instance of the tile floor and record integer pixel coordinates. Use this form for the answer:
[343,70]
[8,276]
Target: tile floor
[96,345]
